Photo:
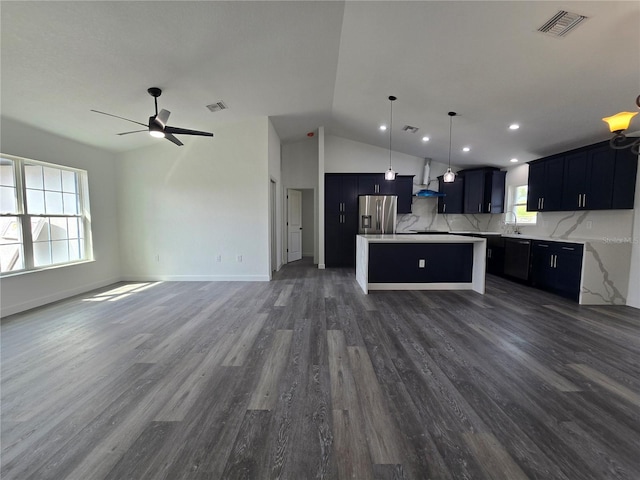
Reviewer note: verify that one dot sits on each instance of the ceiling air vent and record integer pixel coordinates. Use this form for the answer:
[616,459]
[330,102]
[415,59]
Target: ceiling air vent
[561,23]
[410,129]
[216,107]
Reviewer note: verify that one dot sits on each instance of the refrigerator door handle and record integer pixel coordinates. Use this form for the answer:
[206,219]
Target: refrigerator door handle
[378,214]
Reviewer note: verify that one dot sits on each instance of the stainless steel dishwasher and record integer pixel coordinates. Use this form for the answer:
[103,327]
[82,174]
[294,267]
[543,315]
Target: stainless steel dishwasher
[516,258]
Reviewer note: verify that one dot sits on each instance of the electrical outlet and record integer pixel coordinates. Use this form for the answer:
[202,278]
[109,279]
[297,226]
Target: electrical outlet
[218,258]
[421,263]
[589,224]
[239,258]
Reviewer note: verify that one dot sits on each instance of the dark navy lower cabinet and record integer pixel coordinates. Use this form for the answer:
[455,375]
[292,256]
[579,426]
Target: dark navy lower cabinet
[557,267]
[400,263]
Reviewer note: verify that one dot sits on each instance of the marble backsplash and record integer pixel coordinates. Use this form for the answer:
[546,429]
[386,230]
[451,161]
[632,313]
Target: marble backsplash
[612,226]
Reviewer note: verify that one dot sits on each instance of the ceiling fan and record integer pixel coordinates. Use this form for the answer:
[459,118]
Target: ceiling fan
[157,126]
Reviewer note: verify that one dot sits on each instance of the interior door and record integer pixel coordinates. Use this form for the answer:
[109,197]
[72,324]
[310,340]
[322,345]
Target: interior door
[294,225]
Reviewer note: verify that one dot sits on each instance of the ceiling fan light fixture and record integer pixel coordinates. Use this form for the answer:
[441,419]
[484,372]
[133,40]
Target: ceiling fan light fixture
[619,121]
[156,133]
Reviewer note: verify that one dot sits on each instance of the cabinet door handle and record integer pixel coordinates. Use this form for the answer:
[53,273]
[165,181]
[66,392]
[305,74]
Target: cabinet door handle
[444,208]
[555,261]
[480,207]
[542,203]
[539,203]
[551,261]
[568,248]
[543,245]
[489,253]
[584,200]
[489,207]
[579,200]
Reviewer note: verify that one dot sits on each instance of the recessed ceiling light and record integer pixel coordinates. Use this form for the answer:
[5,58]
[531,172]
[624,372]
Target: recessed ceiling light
[383,127]
[514,160]
[425,139]
[465,149]
[514,126]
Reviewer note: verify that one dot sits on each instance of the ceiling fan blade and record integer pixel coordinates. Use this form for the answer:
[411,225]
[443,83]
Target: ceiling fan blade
[135,131]
[122,118]
[173,139]
[184,131]
[163,116]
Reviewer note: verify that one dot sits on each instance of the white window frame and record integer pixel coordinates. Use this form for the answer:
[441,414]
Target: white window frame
[84,214]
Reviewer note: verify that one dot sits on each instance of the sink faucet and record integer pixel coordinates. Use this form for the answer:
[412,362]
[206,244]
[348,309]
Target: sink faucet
[515,221]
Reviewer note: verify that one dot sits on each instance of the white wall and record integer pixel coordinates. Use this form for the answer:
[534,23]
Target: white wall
[300,171]
[348,156]
[181,207]
[275,169]
[308,223]
[23,291]
[633,297]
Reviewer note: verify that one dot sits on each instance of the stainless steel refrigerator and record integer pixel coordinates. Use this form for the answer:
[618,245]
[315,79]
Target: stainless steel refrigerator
[377,214]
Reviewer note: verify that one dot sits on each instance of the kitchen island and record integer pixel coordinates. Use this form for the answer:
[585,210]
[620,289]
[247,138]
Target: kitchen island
[420,262]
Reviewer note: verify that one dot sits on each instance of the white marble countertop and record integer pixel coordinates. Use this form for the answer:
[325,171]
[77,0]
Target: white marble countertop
[548,239]
[426,238]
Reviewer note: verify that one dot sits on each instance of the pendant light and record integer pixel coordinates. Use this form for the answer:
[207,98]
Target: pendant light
[449,176]
[390,174]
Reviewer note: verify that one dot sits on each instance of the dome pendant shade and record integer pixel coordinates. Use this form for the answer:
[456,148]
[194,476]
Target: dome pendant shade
[619,121]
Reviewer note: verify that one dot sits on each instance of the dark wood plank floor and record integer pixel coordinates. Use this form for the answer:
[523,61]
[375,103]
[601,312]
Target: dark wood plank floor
[305,377]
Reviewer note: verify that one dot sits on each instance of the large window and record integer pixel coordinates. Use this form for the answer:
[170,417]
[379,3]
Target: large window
[44,215]
[518,205]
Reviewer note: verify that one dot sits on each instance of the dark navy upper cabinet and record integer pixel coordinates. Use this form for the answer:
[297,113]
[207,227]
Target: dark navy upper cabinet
[588,179]
[404,190]
[545,184]
[484,190]
[375,184]
[624,179]
[595,177]
[452,202]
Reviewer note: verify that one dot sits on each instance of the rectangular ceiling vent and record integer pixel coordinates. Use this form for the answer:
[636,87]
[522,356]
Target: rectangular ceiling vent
[216,107]
[410,129]
[562,23]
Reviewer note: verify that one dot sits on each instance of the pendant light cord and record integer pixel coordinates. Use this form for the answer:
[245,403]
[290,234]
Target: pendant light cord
[390,127]
[450,135]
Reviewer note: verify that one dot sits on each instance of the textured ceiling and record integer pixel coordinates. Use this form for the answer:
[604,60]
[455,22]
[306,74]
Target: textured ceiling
[307,64]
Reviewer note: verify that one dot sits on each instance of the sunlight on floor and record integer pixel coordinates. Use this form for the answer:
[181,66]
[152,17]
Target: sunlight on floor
[121,292]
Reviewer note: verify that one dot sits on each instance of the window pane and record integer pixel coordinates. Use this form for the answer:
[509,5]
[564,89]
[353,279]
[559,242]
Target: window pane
[69,181]
[53,203]
[40,229]
[8,203]
[7,177]
[74,250]
[72,227]
[70,201]
[41,254]
[52,179]
[58,227]
[521,194]
[11,258]
[60,251]
[10,230]
[35,202]
[33,176]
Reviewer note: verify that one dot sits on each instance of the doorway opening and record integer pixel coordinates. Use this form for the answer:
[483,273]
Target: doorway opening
[301,220]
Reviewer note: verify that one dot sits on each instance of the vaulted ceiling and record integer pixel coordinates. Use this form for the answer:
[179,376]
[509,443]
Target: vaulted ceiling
[307,64]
